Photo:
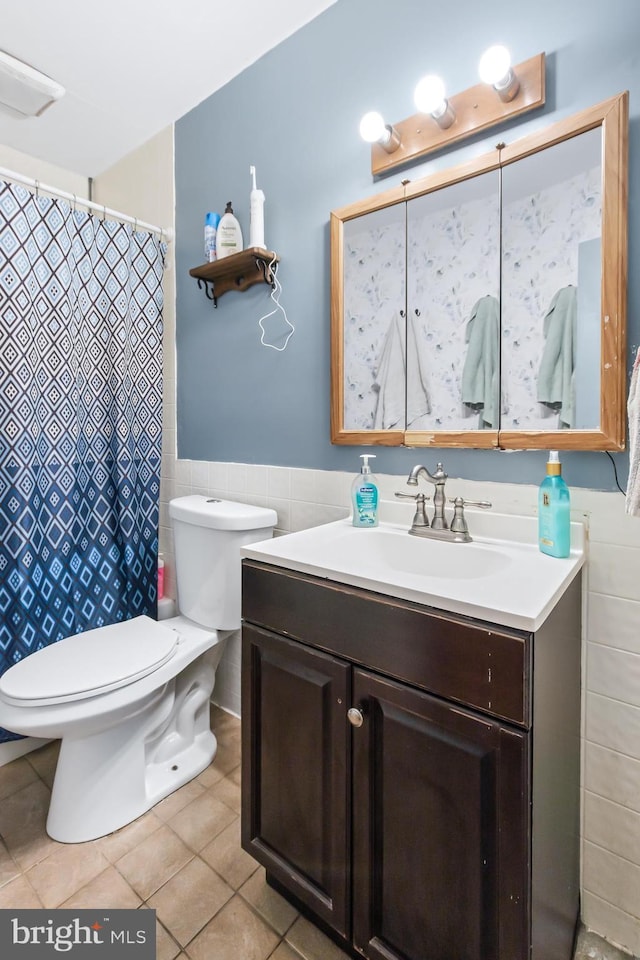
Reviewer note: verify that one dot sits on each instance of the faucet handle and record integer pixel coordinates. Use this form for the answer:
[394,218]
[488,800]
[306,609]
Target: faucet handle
[420,518]
[459,521]
[460,501]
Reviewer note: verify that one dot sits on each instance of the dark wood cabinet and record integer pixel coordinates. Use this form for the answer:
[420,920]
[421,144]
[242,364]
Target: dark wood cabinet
[439,828]
[295,816]
[413,834]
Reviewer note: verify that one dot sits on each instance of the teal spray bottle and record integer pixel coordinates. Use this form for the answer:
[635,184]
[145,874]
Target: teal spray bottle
[364,495]
[554,518]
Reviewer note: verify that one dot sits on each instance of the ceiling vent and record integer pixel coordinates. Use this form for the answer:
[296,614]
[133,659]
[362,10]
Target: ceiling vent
[24,91]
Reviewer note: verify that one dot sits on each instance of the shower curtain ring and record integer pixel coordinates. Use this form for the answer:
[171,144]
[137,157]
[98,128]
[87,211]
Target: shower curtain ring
[37,188]
[75,204]
[104,213]
[135,224]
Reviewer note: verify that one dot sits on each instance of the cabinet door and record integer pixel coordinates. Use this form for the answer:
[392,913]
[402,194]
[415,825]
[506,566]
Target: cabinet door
[440,814]
[295,769]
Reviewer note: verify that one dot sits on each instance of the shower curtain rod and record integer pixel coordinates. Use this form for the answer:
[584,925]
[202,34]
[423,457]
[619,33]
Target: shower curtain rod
[166,233]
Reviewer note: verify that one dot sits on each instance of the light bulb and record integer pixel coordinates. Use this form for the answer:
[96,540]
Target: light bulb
[495,65]
[429,95]
[372,127]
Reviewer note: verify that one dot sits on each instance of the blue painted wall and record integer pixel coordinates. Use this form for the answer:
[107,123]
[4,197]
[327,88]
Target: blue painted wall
[295,114]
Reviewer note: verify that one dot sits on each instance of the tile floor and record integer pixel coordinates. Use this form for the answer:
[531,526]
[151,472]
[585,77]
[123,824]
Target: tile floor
[182,858]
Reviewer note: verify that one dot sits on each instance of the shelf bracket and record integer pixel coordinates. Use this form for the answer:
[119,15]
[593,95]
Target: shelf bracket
[208,288]
[268,272]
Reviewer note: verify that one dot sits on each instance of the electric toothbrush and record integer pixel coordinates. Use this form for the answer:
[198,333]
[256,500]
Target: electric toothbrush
[256,214]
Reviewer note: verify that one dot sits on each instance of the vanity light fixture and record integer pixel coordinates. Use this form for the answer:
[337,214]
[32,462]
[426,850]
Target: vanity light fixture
[495,69]
[373,129]
[429,97]
[461,115]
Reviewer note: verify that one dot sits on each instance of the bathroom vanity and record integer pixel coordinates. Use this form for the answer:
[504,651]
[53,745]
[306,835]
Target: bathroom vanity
[411,773]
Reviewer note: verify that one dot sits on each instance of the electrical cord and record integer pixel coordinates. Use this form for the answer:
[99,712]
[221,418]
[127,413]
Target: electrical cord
[615,473]
[276,290]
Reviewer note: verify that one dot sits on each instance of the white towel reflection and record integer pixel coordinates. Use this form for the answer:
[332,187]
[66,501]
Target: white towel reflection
[401,378]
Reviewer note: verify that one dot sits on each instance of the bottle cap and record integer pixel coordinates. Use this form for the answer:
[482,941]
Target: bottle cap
[228,208]
[366,457]
[212,219]
[554,467]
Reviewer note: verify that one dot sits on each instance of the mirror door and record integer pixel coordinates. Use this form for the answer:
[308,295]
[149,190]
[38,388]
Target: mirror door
[453,312]
[551,283]
[374,335]
[564,283]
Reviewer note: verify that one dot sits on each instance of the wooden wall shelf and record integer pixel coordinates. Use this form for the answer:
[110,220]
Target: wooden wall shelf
[239,271]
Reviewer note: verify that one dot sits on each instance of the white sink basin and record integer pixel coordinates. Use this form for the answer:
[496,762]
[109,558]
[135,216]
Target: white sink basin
[385,549]
[499,580]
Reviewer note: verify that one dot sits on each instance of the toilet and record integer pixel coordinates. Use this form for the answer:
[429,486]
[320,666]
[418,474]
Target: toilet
[130,701]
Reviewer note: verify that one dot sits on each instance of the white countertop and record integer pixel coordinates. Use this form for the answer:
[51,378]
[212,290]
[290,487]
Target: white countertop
[501,577]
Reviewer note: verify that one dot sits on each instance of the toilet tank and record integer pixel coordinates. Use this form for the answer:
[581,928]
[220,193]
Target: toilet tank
[208,535]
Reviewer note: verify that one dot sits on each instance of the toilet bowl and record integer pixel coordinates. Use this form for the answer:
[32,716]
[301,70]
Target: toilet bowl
[130,701]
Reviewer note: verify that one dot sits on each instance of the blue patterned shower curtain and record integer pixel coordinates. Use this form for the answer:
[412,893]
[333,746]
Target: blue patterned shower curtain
[80,421]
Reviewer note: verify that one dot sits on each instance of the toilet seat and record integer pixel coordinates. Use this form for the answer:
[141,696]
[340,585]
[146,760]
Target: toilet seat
[88,664]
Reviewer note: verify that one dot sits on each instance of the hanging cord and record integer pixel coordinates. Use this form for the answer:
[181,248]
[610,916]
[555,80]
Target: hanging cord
[276,290]
[615,473]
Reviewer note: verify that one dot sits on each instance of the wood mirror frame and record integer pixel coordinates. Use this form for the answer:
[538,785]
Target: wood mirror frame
[611,117]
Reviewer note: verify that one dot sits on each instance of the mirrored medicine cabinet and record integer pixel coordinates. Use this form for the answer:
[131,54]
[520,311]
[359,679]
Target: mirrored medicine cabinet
[485,306]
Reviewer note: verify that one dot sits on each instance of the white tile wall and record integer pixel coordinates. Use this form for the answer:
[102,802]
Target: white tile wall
[611,744]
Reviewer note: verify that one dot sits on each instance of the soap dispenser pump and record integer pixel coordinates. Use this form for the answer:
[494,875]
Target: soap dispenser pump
[364,495]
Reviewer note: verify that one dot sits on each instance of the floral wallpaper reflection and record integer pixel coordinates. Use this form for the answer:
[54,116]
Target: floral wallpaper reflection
[433,370]
[543,239]
[451,260]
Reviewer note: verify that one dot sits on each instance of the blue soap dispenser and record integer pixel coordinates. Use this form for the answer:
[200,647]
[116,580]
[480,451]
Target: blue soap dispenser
[554,518]
[364,495]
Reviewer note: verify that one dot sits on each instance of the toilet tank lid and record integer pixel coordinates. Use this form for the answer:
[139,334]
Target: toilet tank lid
[221,514]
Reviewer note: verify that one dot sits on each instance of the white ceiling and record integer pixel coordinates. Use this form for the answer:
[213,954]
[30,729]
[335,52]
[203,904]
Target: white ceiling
[131,67]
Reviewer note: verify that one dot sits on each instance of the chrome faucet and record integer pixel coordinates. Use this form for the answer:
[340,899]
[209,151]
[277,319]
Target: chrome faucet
[458,532]
[438,479]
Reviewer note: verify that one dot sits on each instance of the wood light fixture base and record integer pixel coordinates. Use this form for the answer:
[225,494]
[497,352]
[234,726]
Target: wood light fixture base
[478,108]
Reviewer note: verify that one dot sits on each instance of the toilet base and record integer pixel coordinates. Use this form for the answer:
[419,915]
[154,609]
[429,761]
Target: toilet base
[129,804]
[110,778]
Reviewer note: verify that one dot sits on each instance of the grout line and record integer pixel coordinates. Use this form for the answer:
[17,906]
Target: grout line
[618,856]
[619,753]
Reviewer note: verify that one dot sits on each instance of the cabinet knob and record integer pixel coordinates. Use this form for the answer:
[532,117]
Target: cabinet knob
[355,717]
